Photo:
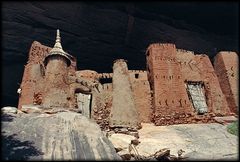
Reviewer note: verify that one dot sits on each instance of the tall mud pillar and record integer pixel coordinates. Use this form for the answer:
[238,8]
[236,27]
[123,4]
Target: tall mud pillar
[124,112]
[57,63]
[226,65]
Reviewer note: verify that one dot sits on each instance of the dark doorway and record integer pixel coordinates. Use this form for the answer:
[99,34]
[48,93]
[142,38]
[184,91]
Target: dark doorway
[84,103]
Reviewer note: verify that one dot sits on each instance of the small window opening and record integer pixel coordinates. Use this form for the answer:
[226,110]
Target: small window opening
[136,76]
[105,80]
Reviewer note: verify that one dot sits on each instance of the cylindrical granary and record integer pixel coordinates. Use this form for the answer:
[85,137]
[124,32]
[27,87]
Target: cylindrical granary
[56,88]
[56,71]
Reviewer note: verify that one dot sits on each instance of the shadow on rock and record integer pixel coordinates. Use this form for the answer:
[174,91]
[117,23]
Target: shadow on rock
[7,117]
[14,149]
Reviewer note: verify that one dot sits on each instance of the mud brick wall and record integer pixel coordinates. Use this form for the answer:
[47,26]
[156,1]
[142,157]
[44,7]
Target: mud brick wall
[157,95]
[105,75]
[101,99]
[169,93]
[107,87]
[87,75]
[199,68]
[33,76]
[141,94]
[37,53]
[226,68]
[215,98]
[123,113]
[73,67]
[102,102]
[102,105]
[188,65]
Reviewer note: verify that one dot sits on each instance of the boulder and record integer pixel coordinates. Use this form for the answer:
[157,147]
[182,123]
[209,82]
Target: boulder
[225,119]
[31,108]
[121,141]
[60,136]
[9,109]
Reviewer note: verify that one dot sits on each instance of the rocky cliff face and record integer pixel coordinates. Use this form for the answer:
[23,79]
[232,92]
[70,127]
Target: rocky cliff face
[98,33]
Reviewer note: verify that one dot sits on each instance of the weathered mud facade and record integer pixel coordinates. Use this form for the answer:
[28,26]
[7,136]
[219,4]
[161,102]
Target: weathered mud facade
[124,112]
[33,77]
[141,94]
[177,86]
[185,86]
[169,94]
[51,78]
[198,69]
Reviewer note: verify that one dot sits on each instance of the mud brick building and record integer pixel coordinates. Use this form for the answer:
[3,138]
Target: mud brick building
[177,86]
[185,86]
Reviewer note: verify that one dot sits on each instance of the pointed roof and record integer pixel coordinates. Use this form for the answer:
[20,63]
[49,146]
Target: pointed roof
[57,49]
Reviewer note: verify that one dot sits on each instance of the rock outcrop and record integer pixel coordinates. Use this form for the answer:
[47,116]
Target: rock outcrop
[60,136]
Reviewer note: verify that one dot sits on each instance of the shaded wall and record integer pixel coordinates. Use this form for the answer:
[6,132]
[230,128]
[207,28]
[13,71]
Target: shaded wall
[33,78]
[226,66]
[141,94]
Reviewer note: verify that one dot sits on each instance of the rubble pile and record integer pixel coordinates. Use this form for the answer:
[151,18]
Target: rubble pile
[127,131]
[102,111]
[183,118]
[125,146]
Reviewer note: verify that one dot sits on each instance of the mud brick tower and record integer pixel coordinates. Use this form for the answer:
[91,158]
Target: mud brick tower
[124,112]
[56,63]
[169,92]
